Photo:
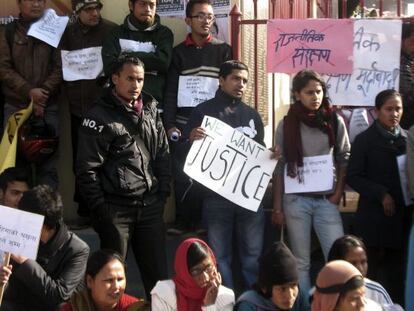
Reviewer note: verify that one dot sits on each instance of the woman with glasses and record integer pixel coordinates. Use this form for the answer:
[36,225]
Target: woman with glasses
[196,284]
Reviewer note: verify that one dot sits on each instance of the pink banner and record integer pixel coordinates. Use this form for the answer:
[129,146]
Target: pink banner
[324,45]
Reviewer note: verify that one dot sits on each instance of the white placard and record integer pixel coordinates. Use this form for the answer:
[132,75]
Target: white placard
[377,48]
[49,28]
[136,46]
[401,161]
[84,64]
[193,90]
[20,232]
[358,123]
[231,164]
[318,175]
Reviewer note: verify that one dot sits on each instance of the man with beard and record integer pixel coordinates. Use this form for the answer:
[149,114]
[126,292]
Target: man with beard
[142,35]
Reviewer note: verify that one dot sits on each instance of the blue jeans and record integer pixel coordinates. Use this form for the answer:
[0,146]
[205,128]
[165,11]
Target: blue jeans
[300,213]
[222,218]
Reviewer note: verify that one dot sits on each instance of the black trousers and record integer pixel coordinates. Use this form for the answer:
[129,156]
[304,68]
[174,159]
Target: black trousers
[143,227]
[188,198]
[75,123]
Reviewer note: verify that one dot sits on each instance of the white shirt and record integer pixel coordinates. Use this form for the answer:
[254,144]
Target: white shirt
[163,298]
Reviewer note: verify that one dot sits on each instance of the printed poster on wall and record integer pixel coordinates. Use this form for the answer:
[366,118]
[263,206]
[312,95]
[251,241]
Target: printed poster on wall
[377,46]
[231,164]
[296,44]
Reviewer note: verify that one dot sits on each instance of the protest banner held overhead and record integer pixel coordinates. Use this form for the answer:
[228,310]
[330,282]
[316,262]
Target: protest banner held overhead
[293,45]
[230,163]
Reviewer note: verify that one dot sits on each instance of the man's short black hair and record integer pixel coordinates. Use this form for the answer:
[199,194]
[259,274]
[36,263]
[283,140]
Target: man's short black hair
[192,3]
[45,201]
[12,174]
[227,67]
[126,59]
[407,30]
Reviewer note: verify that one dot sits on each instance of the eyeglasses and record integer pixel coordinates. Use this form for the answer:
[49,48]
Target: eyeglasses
[204,17]
[196,272]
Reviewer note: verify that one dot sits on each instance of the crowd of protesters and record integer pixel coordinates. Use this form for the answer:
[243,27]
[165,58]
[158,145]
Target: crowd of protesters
[130,134]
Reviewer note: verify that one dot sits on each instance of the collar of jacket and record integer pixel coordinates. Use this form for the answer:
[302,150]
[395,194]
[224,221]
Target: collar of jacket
[133,24]
[112,101]
[50,248]
[225,99]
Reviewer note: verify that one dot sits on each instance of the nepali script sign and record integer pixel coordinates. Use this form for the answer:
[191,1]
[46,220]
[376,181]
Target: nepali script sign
[317,174]
[84,64]
[19,232]
[49,28]
[377,46]
[231,164]
[194,90]
[324,45]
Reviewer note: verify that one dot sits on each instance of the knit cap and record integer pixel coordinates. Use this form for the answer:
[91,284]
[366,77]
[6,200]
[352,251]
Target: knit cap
[78,5]
[277,266]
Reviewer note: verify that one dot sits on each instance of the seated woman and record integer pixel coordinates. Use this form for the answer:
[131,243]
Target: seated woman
[196,284]
[340,287]
[277,285]
[352,249]
[106,283]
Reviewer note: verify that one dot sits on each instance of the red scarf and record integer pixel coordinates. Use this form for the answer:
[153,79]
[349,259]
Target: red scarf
[189,295]
[292,139]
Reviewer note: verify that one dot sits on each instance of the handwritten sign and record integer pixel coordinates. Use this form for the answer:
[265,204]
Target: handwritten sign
[193,90]
[358,122]
[295,44]
[20,232]
[136,46]
[49,28]
[317,175]
[85,64]
[401,161]
[377,46]
[231,164]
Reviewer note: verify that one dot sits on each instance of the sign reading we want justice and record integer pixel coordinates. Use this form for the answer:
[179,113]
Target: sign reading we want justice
[231,164]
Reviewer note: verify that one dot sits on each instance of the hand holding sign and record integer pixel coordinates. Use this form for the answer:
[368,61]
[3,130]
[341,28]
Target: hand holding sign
[228,162]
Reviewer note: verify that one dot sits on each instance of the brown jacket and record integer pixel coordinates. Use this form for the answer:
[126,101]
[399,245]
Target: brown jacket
[30,63]
[82,94]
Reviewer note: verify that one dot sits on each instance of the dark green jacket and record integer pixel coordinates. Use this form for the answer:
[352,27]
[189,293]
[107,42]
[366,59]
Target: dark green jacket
[159,37]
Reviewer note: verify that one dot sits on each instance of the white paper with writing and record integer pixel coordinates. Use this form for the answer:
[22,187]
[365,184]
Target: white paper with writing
[401,161]
[49,28]
[358,123]
[231,164]
[377,48]
[20,232]
[136,46]
[84,64]
[193,90]
[318,176]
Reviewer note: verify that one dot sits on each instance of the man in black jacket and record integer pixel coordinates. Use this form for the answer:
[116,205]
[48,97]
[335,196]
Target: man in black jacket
[123,169]
[50,280]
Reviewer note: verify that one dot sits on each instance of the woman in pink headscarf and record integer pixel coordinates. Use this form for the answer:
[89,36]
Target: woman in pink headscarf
[196,285]
[340,287]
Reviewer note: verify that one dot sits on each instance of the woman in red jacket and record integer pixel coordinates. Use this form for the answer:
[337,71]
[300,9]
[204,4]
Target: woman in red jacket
[106,283]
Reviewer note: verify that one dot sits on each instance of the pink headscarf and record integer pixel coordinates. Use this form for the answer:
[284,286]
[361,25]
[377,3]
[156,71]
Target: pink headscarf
[189,295]
[334,274]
